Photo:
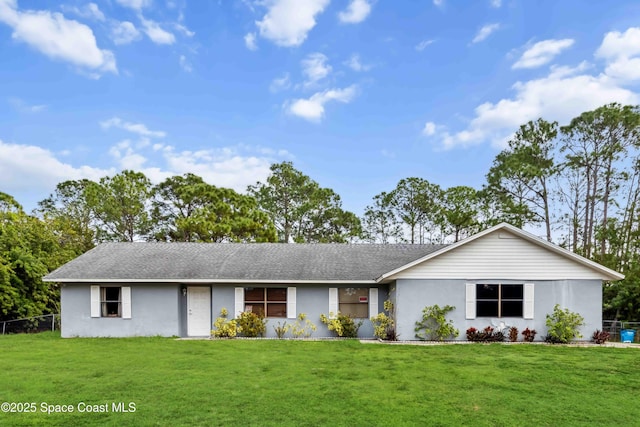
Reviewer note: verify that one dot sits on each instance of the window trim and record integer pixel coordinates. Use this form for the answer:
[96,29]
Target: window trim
[98,299]
[528,299]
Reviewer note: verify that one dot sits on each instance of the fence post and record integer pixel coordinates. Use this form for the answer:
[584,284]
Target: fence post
[4,324]
[53,322]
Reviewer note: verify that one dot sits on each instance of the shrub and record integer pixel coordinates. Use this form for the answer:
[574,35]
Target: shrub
[303,327]
[488,334]
[384,325]
[600,337]
[343,325]
[513,334]
[434,324]
[529,334]
[224,328]
[251,324]
[281,330]
[563,325]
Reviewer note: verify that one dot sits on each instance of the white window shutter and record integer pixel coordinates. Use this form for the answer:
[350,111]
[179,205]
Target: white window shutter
[333,302]
[291,303]
[470,301]
[239,302]
[528,301]
[373,302]
[95,301]
[125,295]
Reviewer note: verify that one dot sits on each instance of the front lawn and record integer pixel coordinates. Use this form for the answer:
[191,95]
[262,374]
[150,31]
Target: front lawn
[310,383]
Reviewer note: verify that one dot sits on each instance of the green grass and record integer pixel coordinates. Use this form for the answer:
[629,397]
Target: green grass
[307,383]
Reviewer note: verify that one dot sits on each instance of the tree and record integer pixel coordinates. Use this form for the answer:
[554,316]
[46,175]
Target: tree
[379,222]
[187,209]
[521,174]
[28,251]
[460,210]
[594,143]
[301,210]
[70,215]
[417,203]
[121,206]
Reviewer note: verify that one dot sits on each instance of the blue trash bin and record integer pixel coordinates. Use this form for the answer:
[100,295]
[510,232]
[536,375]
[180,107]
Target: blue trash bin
[627,335]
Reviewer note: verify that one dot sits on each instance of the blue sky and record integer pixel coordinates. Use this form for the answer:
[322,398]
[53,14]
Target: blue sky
[357,93]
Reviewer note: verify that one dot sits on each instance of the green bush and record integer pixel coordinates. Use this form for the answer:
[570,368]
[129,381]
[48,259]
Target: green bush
[224,328]
[281,329]
[434,324]
[251,324]
[384,325]
[344,326]
[563,325]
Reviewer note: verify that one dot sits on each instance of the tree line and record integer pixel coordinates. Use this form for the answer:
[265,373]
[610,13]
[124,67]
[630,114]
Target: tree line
[579,183]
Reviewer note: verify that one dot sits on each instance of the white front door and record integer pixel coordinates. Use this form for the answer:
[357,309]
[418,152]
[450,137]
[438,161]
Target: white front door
[198,311]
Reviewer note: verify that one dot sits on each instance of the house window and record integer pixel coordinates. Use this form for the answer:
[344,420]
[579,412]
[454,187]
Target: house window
[497,300]
[110,302]
[354,302]
[268,302]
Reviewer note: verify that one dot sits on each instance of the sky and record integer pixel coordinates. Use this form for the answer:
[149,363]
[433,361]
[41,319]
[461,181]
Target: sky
[358,94]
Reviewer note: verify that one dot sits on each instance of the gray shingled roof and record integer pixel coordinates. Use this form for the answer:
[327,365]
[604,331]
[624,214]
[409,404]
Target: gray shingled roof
[237,261]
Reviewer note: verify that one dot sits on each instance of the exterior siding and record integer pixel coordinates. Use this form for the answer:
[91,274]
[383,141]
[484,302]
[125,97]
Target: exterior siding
[499,254]
[581,296]
[155,311]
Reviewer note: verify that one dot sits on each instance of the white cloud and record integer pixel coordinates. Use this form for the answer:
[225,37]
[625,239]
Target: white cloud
[496,3]
[184,30]
[621,51]
[356,12]
[282,83]
[315,68]
[560,96]
[429,129]
[185,64]
[57,37]
[29,168]
[485,32]
[287,22]
[135,4]
[423,44]
[438,2]
[155,33]
[126,157]
[356,65]
[124,33]
[137,128]
[542,53]
[312,109]
[23,107]
[250,41]
[89,11]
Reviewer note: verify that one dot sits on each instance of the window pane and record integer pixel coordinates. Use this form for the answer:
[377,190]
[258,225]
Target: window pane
[357,310]
[512,308]
[512,292]
[277,294]
[276,310]
[111,309]
[255,308]
[353,295]
[487,292]
[487,308]
[254,294]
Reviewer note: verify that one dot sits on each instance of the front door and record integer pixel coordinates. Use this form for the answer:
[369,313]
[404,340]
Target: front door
[198,311]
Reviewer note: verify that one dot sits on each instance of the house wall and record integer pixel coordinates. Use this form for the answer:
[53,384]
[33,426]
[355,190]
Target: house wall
[581,296]
[312,300]
[155,310]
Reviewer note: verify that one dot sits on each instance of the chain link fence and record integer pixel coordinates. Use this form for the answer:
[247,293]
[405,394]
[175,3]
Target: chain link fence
[615,326]
[29,325]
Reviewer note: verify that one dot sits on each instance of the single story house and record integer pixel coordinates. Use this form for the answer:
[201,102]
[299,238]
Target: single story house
[502,274]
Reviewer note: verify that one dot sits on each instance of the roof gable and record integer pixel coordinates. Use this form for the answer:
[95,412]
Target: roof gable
[503,252]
